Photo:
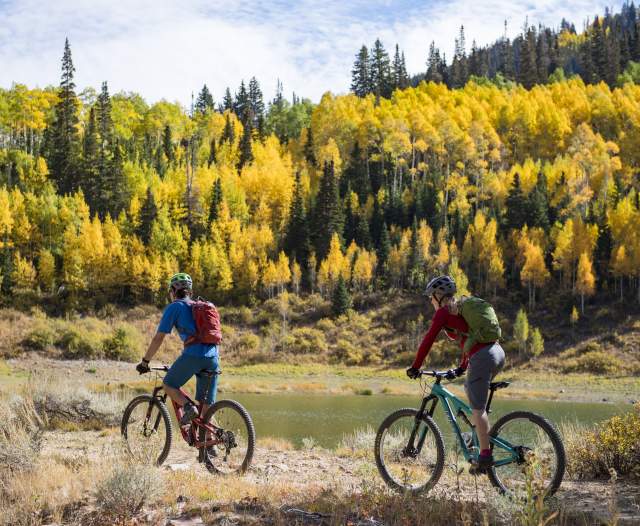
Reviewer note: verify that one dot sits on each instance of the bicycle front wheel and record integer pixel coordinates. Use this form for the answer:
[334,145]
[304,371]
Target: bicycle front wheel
[237,435]
[409,465]
[527,450]
[146,429]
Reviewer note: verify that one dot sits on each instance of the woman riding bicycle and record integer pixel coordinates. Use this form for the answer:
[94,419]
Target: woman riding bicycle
[195,357]
[482,361]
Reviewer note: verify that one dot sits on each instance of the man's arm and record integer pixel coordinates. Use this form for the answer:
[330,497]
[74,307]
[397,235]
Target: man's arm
[154,345]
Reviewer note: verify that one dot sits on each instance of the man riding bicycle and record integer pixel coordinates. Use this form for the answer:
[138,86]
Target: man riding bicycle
[195,357]
[482,361]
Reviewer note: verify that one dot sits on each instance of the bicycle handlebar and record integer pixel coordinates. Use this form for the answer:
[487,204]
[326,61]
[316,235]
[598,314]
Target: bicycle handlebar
[449,375]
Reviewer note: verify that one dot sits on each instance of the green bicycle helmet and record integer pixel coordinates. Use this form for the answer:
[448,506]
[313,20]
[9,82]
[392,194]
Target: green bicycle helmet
[180,281]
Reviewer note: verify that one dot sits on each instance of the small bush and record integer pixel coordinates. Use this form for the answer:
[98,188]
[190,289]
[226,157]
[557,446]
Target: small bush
[305,340]
[79,344]
[20,436]
[348,353]
[326,325]
[598,362]
[248,342]
[125,344]
[613,444]
[129,487]
[40,337]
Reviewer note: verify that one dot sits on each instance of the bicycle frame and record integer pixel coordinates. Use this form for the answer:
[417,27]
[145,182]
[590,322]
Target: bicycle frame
[454,407]
[189,433]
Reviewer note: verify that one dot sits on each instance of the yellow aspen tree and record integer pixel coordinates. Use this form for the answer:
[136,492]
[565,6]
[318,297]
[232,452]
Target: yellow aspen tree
[23,274]
[270,278]
[283,272]
[534,271]
[331,267]
[46,270]
[458,275]
[364,269]
[585,280]
[296,277]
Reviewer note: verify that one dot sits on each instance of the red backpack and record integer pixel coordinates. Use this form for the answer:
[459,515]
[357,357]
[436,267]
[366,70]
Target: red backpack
[207,320]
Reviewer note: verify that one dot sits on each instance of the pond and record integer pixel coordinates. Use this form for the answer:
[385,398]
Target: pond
[327,418]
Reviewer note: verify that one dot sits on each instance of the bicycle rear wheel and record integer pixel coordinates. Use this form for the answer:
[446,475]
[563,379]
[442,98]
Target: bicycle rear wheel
[235,427]
[146,429]
[404,466]
[536,450]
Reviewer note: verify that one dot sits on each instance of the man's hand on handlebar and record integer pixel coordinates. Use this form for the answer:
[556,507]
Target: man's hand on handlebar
[143,366]
[452,374]
[413,373]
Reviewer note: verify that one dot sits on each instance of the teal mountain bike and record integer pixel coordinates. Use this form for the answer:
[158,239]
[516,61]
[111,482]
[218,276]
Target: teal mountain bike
[410,450]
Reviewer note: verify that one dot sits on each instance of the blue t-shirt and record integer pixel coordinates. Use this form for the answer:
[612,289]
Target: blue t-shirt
[178,314]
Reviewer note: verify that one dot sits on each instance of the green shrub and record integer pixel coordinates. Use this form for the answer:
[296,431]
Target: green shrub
[348,353]
[126,490]
[248,342]
[305,340]
[125,344]
[598,362]
[77,343]
[613,444]
[40,337]
[326,325]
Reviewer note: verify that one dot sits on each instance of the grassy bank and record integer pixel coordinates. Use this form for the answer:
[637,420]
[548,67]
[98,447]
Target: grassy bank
[109,376]
[90,480]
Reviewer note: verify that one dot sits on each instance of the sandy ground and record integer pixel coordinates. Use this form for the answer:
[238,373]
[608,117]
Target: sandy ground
[322,469]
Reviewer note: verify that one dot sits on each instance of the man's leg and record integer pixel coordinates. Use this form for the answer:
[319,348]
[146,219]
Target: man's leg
[178,375]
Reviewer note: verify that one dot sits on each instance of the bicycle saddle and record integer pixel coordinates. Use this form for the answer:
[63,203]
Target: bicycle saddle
[498,385]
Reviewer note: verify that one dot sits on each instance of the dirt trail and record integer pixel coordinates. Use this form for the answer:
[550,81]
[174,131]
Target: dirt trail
[322,469]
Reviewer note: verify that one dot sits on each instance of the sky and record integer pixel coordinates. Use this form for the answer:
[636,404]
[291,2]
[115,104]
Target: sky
[169,49]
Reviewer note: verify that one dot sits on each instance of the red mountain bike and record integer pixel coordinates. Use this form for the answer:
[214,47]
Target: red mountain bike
[224,435]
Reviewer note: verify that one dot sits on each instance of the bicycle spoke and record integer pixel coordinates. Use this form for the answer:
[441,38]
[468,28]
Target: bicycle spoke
[525,452]
[236,436]
[146,432]
[403,463]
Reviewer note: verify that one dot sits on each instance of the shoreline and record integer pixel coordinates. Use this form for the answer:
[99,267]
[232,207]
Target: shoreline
[319,379]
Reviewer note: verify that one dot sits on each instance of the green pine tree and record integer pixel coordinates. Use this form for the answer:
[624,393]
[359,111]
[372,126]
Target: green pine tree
[362,235]
[516,215]
[328,217]
[384,248]
[228,132]
[341,300]
[296,242]
[90,160]
[309,153]
[246,151]
[528,74]
[361,74]
[63,154]
[380,81]
[167,144]
[148,214]
[204,102]
[212,153]
[227,101]
[216,200]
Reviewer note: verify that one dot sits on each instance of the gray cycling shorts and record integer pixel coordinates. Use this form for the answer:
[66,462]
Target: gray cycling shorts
[483,366]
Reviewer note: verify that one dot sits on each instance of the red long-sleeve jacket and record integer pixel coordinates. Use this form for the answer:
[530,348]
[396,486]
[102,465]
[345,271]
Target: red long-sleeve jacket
[454,325]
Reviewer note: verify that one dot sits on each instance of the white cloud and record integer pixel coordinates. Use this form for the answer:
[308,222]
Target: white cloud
[168,48]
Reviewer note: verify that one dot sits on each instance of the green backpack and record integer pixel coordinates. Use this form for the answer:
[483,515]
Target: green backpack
[483,322]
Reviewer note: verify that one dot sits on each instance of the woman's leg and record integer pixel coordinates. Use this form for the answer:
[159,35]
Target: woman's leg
[483,366]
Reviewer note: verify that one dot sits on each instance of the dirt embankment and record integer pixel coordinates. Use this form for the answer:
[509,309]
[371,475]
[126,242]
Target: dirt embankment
[316,486]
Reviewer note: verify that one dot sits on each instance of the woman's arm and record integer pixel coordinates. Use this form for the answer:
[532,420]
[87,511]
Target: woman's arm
[437,323]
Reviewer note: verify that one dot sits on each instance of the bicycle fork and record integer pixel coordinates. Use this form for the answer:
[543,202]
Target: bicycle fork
[412,450]
[156,424]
